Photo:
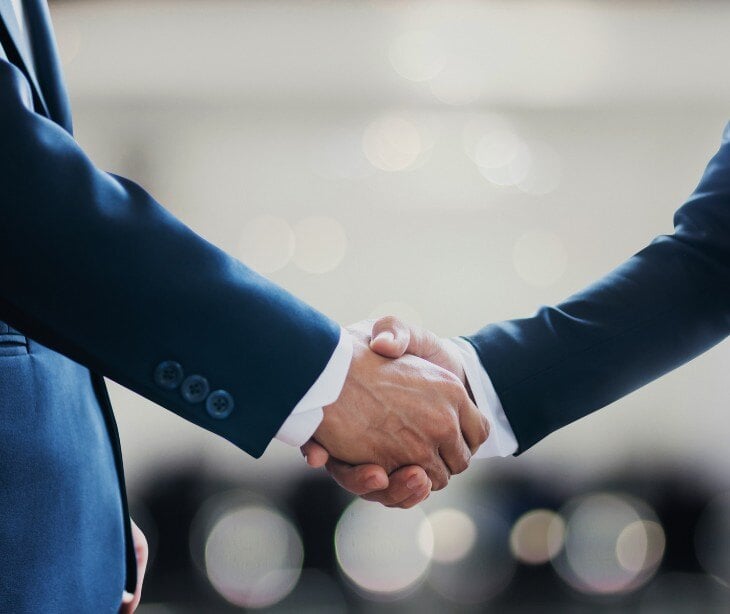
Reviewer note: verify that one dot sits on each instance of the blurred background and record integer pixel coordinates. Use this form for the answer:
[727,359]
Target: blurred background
[454,163]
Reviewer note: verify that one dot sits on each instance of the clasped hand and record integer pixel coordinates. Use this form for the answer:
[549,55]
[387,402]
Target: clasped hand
[404,422]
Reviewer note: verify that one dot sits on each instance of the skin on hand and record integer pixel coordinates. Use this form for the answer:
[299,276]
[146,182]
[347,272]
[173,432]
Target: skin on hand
[395,413]
[141,552]
[389,336]
[408,485]
[403,488]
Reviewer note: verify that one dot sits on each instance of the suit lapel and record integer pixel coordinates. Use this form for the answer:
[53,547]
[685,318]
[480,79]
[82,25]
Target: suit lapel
[7,14]
[47,64]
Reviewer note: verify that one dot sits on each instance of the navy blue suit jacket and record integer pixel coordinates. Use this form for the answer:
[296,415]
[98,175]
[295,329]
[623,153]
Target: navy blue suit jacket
[656,311]
[103,281]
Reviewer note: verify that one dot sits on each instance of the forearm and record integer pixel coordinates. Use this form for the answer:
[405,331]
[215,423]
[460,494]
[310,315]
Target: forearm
[94,268]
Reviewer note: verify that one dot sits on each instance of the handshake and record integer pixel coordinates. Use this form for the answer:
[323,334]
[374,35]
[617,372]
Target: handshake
[404,421]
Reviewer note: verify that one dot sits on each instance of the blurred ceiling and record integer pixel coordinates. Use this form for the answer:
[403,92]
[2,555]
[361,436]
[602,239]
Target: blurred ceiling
[529,54]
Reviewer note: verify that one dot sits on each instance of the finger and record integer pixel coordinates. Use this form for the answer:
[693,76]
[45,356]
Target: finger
[405,483]
[416,498]
[390,337]
[358,479]
[315,455]
[141,551]
[474,425]
[455,453]
[437,471]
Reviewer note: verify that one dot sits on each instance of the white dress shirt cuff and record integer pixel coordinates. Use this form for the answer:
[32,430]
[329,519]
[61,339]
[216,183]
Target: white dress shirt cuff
[501,440]
[307,414]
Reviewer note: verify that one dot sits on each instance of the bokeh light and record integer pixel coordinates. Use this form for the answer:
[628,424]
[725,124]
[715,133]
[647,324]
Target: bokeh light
[640,546]
[613,544]
[249,552]
[504,158]
[392,143]
[478,126]
[449,533]
[321,244]
[516,168]
[712,539]
[543,171]
[417,55]
[540,258]
[253,556]
[266,243]
[384,552]
[473,567]
[460,82]
[497,148]
[537,537]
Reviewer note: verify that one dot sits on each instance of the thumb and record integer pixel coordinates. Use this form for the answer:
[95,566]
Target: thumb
[314,454]
[390,337]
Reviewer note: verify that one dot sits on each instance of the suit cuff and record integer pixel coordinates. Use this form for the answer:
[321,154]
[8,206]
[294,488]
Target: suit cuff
[307,414]
[501,440]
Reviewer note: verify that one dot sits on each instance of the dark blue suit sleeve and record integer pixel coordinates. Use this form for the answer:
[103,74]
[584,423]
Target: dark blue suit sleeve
[658,310]
[93,267]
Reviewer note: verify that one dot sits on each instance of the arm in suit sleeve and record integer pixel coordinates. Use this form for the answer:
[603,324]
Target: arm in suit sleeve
[93,267]
[658,310]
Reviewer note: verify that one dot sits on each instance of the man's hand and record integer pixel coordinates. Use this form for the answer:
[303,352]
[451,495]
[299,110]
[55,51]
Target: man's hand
[408,485]
[390,336]
[396,413]
[141,551]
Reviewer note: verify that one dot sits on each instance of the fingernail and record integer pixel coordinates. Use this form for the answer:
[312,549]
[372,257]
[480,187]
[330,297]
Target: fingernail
[386,335]
[415,483]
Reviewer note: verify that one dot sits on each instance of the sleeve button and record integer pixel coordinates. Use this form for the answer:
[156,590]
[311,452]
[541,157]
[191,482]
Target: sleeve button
[194,389]
[219,404]
[168,374]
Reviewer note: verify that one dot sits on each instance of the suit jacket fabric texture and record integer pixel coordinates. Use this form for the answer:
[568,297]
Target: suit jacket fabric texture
[103,281]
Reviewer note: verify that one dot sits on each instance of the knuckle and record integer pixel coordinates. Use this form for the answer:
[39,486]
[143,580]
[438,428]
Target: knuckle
[444,417]
[450,428]
[439,477]
[424,456]
[449,386]
[440,483]
[485,431]
[462,463]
